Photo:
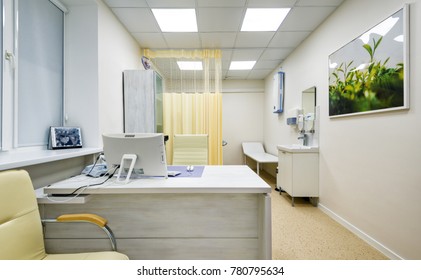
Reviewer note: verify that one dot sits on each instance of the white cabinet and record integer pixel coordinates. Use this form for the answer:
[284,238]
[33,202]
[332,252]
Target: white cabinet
[143,111]
[298,171]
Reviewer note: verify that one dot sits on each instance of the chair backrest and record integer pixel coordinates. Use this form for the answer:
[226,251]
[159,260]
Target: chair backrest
[21,235]
[253,147]
[190,149]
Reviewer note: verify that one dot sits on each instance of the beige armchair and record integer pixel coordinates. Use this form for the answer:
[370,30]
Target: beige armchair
[190,149]
[21,233]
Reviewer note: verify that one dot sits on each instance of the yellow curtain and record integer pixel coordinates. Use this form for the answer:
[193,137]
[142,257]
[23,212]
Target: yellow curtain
[194,113]
[192,101]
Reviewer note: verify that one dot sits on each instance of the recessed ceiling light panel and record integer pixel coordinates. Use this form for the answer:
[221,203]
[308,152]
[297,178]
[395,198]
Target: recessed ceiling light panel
[176,20]
[264,19]
[190,65]
[242,65]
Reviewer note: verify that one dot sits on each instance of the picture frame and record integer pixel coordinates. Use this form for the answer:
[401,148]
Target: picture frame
[370,74]
[65,137]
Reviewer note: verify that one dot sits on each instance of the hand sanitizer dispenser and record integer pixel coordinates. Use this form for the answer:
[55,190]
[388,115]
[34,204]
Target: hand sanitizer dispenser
[309,122]
[300,122]
[292,116]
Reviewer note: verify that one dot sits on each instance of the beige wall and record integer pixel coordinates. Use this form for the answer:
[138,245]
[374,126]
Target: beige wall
[369,165]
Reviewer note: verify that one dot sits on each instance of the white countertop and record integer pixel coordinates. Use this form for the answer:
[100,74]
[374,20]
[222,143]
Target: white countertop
[294,148]
[215,179]
[25,157]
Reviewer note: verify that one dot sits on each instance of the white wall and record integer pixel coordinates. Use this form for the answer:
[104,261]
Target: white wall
[81,71]
[242,117]
[98,50]
[370,178]
[117,51]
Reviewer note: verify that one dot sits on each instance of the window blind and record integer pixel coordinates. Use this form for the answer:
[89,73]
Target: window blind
[40,70]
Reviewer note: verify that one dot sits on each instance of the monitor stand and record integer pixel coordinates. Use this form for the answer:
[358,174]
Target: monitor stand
[126,157]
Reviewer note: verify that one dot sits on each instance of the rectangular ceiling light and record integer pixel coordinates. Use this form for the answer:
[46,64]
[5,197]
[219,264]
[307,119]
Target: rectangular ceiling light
[264,19]
[176,20]
[190,65]
[242,65]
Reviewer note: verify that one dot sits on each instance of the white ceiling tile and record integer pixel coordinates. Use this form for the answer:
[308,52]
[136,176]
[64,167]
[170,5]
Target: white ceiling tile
[253,39]
[218,40]
[176,40]
[313,3]
[259,74]
[221,3]
[150,40]
[171,3]
[126,3]
[267,64]
[219,19]
[313,16]
[219,23]
[271,3]
[226,53]
[237,74]
[286,39]
[137,19]
[246,54]
[271,54]
[225,65]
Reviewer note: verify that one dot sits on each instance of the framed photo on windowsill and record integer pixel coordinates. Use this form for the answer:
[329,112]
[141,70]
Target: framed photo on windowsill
[65,137]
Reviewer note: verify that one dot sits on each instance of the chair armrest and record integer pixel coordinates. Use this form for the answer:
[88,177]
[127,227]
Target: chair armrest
[90,218]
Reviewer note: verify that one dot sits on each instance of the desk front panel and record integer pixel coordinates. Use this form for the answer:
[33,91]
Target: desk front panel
[165,226]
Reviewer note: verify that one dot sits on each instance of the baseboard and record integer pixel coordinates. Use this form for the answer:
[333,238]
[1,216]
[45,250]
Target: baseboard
[371,241]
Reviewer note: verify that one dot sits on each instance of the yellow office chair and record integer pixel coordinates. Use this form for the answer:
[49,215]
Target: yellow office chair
[21,234]
[190,149]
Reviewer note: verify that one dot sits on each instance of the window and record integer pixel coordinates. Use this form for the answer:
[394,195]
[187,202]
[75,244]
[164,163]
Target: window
[32,97]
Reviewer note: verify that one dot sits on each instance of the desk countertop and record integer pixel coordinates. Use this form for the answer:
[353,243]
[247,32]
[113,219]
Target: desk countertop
[215,179]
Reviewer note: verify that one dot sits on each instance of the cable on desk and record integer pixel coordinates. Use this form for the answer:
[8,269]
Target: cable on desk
[76,192]
[109,176]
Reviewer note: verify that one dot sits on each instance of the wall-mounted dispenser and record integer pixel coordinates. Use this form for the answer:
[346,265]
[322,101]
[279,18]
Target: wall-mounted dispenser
[300,123]
[309,122]
[292,116]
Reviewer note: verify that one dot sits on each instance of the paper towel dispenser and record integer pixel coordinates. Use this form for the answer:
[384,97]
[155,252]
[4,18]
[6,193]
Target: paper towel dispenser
[292,116]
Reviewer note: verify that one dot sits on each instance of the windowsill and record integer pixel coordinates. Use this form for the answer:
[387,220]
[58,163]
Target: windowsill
[21,158]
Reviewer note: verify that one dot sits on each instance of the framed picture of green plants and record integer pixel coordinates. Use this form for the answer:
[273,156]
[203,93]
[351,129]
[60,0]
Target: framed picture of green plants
[370,73]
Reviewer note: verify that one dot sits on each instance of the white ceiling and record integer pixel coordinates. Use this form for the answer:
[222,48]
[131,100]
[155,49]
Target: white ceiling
[219,23]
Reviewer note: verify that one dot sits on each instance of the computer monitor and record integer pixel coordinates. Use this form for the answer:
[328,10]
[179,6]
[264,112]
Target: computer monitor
[138,154]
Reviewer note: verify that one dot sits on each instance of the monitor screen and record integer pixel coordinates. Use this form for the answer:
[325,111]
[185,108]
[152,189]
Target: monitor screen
[141,154]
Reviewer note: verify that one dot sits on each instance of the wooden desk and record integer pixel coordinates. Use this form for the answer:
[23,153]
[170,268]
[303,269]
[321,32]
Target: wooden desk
[225,214]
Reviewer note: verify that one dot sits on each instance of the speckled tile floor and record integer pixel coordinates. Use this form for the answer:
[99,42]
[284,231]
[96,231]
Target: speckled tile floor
[304,232]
